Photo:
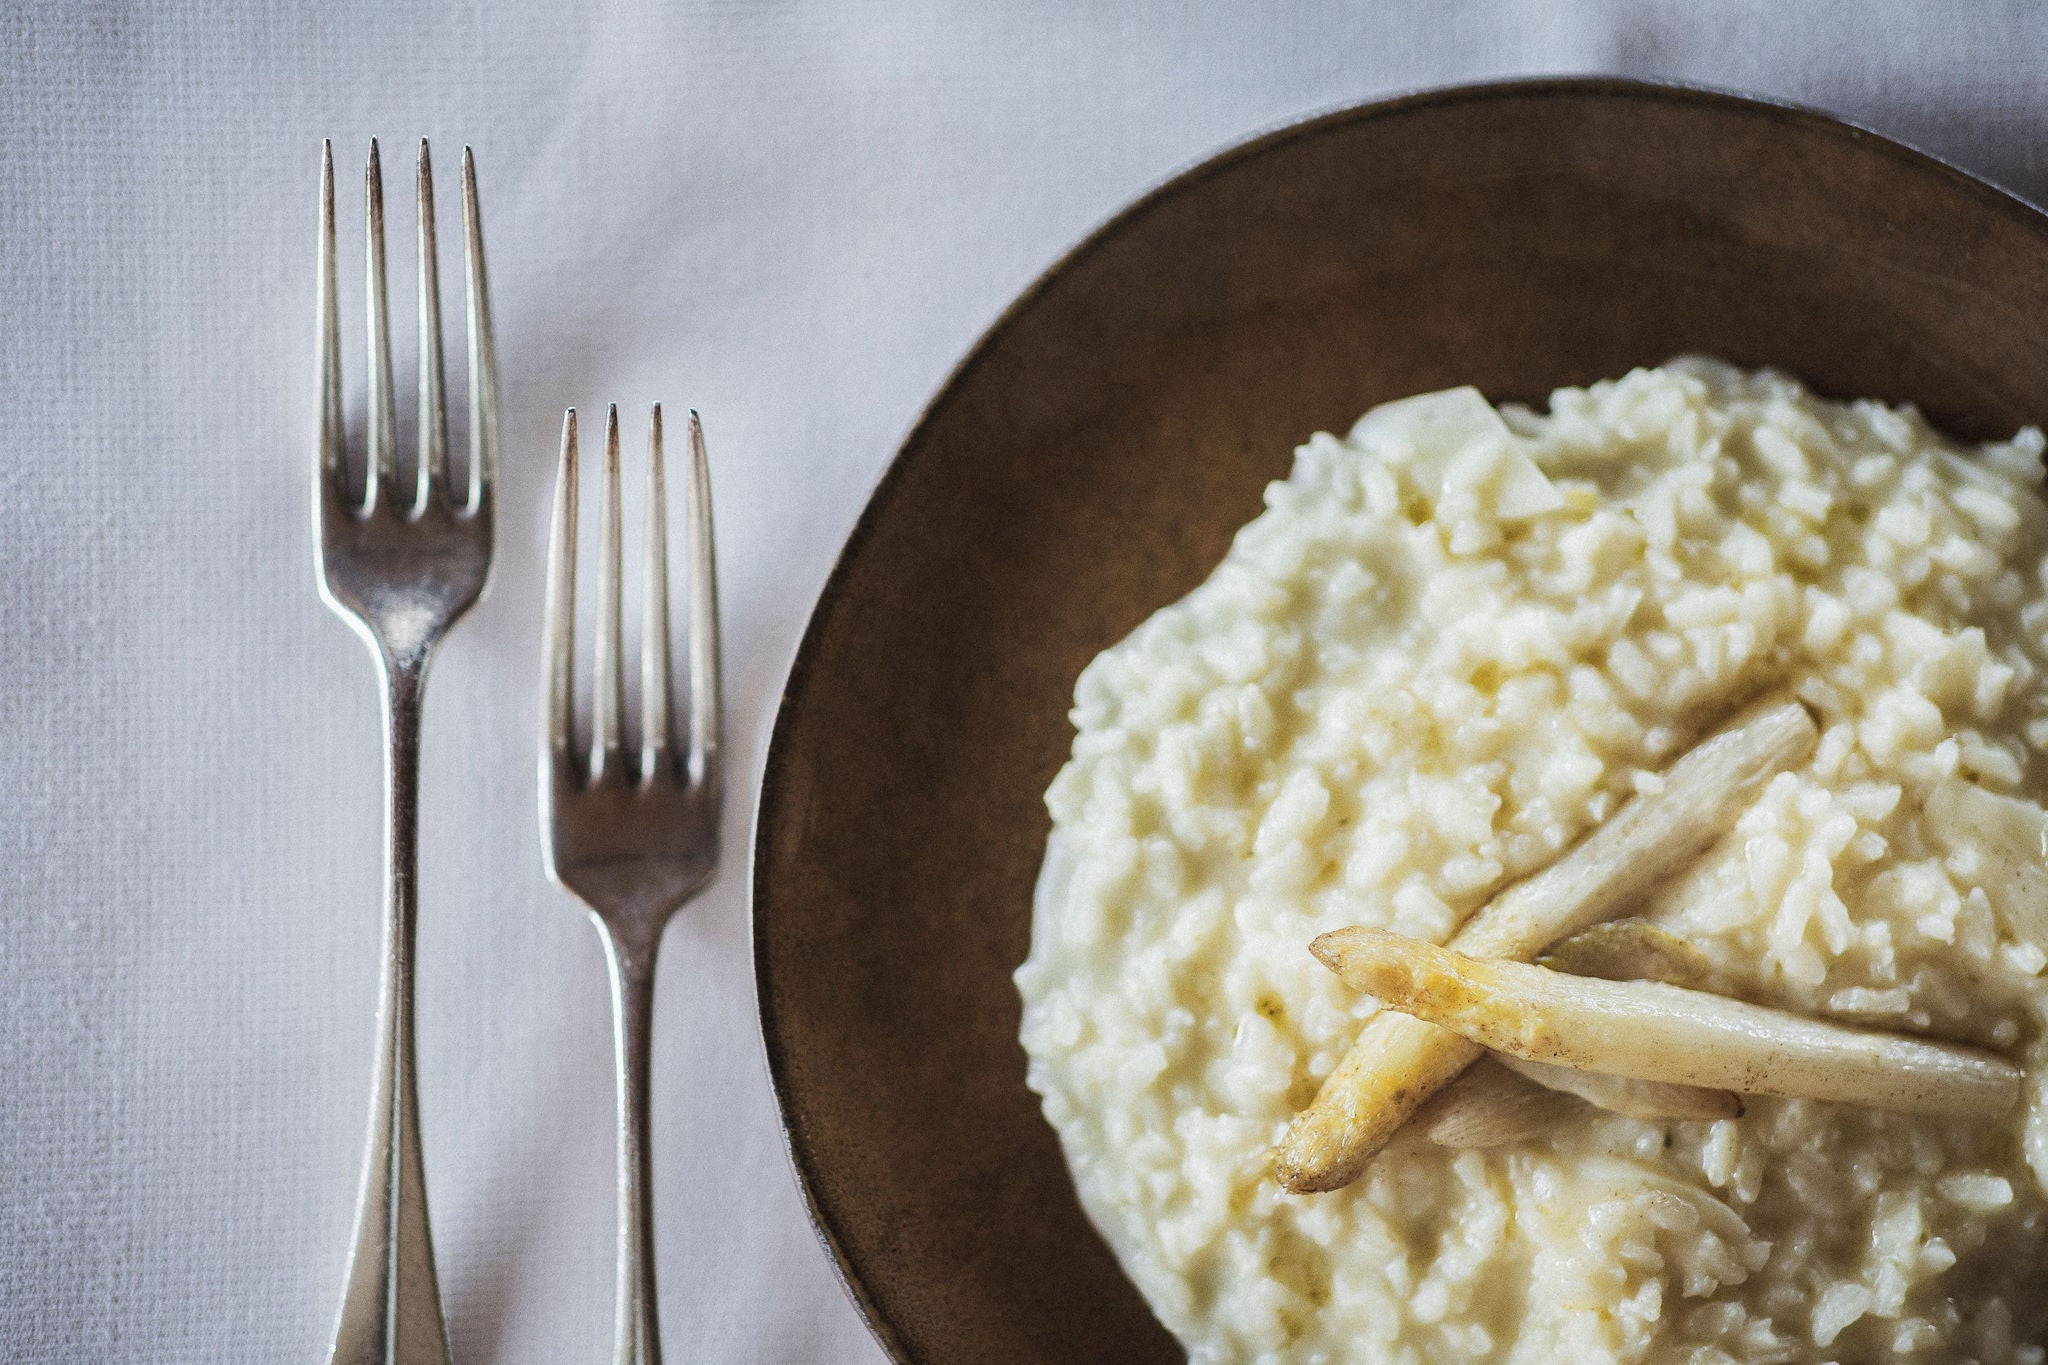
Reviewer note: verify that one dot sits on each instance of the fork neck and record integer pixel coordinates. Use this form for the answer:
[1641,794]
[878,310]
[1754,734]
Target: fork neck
[404,671]
[404,687]
[637,1332]
[631,941]
[403,647]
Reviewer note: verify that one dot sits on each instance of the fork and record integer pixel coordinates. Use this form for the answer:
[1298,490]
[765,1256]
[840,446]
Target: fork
[400,566]
[632,840]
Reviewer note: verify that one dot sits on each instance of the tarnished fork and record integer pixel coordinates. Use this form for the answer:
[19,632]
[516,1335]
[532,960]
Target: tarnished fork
[400,565]
[632,837]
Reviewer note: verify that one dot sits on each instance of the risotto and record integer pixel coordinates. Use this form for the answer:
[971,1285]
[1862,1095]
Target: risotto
[1453,643]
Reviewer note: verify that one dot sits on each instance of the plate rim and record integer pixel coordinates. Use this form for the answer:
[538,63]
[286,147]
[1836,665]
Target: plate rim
[768,803]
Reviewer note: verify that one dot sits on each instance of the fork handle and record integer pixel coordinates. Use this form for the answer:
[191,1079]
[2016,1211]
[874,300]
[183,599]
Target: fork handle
[391,1310]
[636,1331]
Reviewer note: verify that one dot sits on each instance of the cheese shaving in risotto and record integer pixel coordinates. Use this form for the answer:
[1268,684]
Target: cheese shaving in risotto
[1454,641]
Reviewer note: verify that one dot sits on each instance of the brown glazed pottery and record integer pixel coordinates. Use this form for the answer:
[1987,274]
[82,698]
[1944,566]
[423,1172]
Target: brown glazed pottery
[1087,464]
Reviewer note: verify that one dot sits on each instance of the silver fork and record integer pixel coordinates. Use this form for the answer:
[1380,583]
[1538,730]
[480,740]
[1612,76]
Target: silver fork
[631,840]
[400,570]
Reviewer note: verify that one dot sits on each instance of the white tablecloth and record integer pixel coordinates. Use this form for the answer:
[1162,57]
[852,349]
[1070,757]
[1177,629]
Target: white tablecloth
[794,216]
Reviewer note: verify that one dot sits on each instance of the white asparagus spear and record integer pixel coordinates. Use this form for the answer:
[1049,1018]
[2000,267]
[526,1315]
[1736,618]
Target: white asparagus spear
[1500,1100]
[1490,1106]
[1658,1032]
[1398,1062]
[1652,1101]
[1630,950]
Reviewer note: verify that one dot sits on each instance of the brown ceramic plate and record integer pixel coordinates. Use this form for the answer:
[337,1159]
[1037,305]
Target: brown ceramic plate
[1087,464]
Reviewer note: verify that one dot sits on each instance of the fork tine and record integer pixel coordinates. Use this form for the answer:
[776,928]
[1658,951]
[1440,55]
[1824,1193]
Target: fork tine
[704,707]
[609,708]
[383,454]
[483,354]
[655,734]
[433,411]
[561,603]
[328,452]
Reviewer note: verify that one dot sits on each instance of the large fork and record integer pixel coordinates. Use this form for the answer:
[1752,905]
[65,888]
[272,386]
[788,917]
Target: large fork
[632,840]
[400,566]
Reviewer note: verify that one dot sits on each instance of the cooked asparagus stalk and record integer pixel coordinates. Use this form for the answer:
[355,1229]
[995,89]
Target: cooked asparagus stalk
[1657,1032]
[1630,950]
[1490,1106]
[1397,1061]
[1653,1101]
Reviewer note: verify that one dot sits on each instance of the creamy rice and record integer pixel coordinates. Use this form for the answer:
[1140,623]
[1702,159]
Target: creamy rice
[1452,643]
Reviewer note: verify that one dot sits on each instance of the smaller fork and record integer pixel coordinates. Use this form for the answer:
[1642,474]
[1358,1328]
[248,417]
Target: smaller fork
[635,839]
